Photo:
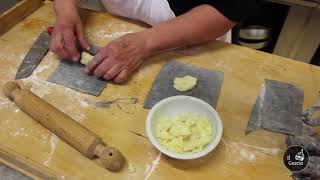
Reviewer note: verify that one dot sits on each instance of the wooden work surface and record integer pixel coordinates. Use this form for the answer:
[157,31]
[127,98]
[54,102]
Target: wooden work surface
[256,156]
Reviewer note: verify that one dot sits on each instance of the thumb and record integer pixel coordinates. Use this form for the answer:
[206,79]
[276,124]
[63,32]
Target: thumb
[80,38]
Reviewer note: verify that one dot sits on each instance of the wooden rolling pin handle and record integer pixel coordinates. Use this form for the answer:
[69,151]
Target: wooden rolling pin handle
[110,157]
[9,88]
[57,122]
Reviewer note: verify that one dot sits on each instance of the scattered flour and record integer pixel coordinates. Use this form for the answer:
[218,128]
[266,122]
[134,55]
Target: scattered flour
[237,152]
[20,132]
[84,103]
[111,30]
[247,155]
[39,86]
[53,142]
[262,97]
[105,34]
[5,103]
[72,97]
[8,55]
[17,130]
[151,167]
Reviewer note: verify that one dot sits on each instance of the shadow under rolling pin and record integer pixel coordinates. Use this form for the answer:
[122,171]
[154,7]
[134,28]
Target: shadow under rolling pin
[76,135]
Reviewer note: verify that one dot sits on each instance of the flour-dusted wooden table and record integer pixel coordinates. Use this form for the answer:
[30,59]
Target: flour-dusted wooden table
[256,156]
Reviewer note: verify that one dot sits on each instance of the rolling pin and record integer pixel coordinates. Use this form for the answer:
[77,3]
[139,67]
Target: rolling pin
[76,135]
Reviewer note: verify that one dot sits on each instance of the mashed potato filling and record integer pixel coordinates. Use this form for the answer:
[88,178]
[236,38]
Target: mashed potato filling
[185,83]
[185,133]
[85,58]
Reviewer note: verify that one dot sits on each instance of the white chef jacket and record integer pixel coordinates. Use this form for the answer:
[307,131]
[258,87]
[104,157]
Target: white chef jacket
[151,12]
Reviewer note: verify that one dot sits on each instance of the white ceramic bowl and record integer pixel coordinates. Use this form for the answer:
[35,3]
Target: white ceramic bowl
[175,105]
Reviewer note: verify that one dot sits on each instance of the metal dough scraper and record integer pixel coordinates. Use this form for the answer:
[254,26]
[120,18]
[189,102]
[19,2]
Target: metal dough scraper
[279,109]
[71,74]
[207,88]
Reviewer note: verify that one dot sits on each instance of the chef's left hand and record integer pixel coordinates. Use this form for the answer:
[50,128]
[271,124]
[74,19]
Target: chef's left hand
[118,59]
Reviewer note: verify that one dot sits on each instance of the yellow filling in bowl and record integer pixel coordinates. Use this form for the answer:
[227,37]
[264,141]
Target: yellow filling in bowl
[186,133]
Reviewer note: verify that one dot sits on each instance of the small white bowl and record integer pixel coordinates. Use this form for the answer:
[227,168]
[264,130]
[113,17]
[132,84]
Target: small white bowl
[176,105]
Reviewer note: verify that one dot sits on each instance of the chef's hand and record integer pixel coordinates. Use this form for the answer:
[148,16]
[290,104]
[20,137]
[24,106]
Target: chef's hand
[68,31]
[118,59]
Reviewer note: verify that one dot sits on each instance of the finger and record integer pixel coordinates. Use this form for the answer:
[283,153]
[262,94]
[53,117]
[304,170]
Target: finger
[112,72]
[70,44]
[51,45]
[57,46]
[52,41]
[102,68]
[97,59]
[122,76]
[125,73]
[80,37]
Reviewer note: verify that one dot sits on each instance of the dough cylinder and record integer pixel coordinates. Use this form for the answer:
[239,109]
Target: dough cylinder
[76,135]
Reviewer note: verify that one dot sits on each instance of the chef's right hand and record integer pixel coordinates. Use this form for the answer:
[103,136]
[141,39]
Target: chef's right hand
[68,32]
